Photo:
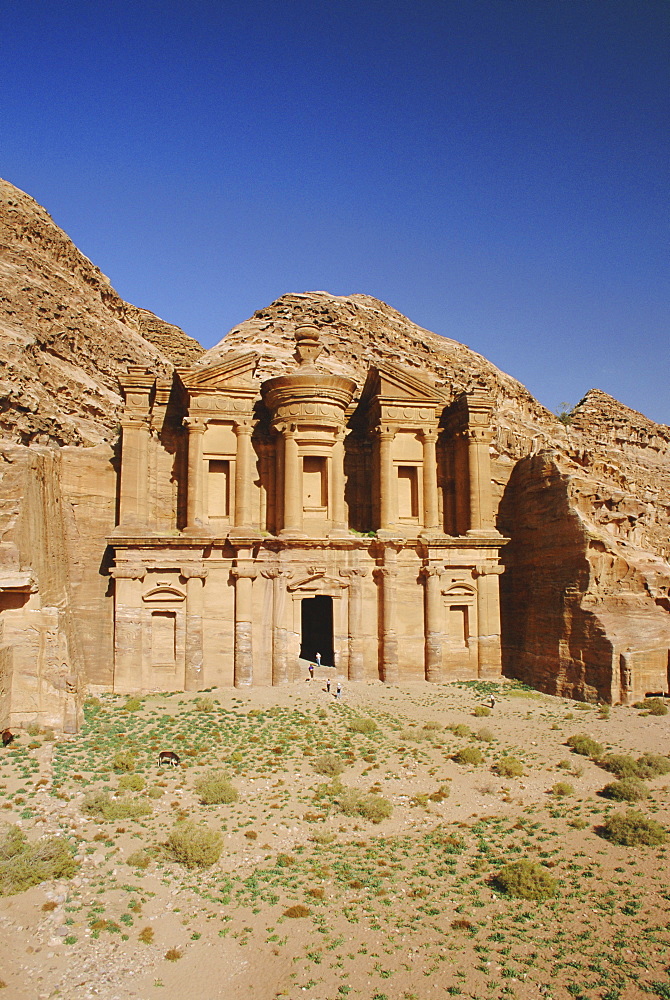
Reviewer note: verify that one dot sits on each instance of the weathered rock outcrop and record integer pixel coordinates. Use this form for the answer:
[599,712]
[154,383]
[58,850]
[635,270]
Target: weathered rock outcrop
[586,592]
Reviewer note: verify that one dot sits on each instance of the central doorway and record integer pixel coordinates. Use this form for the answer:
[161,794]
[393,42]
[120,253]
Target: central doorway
[316,620]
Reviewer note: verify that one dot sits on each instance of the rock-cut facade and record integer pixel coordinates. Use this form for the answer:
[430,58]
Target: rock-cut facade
[264,521]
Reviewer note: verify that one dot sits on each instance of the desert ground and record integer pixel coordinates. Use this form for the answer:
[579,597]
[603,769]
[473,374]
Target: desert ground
[318,893]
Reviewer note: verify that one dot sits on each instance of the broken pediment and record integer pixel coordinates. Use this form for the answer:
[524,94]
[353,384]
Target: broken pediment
[316,582]
[236,371]
[391,382]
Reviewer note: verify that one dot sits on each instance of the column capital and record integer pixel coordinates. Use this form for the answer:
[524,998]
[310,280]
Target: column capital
[488,569]
[435,570]
[355,574]
[242,427]
[195,425]
[429,435]
[385,432]
[244,572]
[276,573]
[130,570]
[385,573]
[194,570]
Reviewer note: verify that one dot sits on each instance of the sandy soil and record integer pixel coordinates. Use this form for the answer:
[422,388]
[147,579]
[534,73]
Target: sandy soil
[403,909]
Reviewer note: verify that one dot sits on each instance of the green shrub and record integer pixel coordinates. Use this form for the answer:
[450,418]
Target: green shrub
[468,755]
[193,845]
[604,711]
[622,765]
[440,794]
[155,792]
[132,705]
[585,746]
[485,735]
[100,806]
[322,838]
[459,730]
[562,788]
[131,783]
[525,880]
[205,704]
[374,808]
[124,760]
[329,764]
[139,859]
[651,765]
[508,767]
[365,726]
[433,726]
[23,865]
[632,828]
[626,790]
[215,789]
[481,711]
[653,706]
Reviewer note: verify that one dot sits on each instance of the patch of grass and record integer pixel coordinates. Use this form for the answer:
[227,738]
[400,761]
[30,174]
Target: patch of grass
[508,767]
[139,859]
[328,764]
[485,735]
[481,711]
[633,828]
[468,755]
[525,880]
[459,729]
[205,705]
[124,761]
[652,706]
[626,790]
[215,789]
[23,864]
[585,746]
[132,705]
[374,808]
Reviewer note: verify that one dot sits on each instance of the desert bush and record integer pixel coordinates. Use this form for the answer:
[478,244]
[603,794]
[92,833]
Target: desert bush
[561,789]
[131,783]
[481,711]
[139,859]
[633,828]
[297,911]
[651,765]
[440,794]
[329,764]
[622,765]
[653,706]
[459,729]
[485,735]
[371,807]
[626,790]
[146,935]
[205,704]
[508,767]
[124,761]
[525,880]
[23,864]
[155,792]
[100,806]
[322,838]
[604,711]
[585,746]
[132,705]
[215,789]
[468,755]
[193,845]
[365,726]
[434,726]
[173,954]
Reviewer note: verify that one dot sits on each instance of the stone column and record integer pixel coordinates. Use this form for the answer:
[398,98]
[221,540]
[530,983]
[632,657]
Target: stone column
[194,512]
[387,576]
[430,507]
[292,483]
[488,620]
[243,474]
[128,651]
[244,574]
[433,622]
[356,643]
[194,574]
[280,671]
[387,491]
[338,517]
[134,472]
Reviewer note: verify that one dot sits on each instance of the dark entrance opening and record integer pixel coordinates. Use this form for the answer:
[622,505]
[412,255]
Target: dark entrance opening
[317,629]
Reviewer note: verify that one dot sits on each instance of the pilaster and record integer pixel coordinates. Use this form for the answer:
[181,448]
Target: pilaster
[194,497]
[433,615]
[355,576]
[194,573]
[243,574]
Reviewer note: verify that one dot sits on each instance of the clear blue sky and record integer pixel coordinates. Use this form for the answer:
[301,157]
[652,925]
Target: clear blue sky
[497,170]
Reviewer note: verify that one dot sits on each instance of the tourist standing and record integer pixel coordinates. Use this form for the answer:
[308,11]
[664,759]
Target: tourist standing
[339,692]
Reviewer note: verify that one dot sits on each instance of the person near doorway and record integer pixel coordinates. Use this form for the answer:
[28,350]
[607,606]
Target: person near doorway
[492,701]
[311,671]
[328,685]
[318,659]
[338,695]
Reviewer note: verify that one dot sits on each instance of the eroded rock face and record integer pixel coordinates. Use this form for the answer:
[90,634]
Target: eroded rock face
[586,592]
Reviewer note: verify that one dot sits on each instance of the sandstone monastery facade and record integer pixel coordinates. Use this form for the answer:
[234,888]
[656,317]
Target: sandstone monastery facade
[263,521]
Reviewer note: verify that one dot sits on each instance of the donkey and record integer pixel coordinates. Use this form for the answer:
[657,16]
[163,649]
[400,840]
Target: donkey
[7,737]
[168,757]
